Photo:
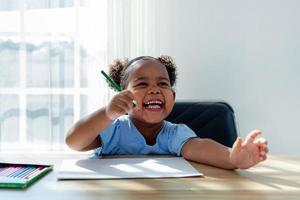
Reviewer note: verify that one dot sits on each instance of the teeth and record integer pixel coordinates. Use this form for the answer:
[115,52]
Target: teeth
[153,102]
[154,107]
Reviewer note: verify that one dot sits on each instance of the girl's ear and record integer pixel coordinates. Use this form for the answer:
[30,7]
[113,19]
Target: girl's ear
[174,94]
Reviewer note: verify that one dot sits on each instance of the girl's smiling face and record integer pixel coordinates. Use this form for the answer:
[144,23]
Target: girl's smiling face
[150,84]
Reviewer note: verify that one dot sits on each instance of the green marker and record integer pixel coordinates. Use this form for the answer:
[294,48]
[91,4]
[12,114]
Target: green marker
[115,85]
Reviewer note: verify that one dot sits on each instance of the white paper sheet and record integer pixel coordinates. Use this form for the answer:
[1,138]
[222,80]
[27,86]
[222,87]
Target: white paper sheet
[120,168]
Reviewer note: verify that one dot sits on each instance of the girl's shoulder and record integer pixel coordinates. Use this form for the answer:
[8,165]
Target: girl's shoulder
[174,127]
[120,121]
[123,121]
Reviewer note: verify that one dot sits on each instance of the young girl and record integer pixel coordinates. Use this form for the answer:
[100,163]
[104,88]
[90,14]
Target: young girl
[121,128]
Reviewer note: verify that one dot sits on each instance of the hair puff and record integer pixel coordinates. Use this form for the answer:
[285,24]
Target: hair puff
[115,70]
[169,63]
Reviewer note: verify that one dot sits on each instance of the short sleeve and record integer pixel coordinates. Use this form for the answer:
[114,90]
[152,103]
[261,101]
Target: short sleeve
[178,136]
[109,139]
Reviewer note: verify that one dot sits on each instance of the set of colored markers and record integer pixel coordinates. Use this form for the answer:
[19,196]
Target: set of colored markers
[21,176]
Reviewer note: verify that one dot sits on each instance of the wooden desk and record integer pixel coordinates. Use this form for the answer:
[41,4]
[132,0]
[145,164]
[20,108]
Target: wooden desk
[276,178]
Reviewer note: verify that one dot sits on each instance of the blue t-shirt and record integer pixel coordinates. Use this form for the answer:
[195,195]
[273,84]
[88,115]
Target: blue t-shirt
[122,137]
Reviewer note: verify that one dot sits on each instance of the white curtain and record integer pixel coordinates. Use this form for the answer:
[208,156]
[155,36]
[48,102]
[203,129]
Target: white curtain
[132,29]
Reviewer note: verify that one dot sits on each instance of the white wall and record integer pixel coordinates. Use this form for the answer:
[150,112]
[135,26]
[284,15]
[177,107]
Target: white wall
[245,52]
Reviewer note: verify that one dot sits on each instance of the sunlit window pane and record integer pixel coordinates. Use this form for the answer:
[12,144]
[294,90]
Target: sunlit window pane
[48,120]
[9,62]
[50,63]
[84,67]
[83,106]
[9,5]
[42,4]
[55,20]
[9,119]
[51,52]
[14,21]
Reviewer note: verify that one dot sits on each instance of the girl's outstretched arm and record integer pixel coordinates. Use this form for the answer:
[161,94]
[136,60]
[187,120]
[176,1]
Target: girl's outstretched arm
[242,155]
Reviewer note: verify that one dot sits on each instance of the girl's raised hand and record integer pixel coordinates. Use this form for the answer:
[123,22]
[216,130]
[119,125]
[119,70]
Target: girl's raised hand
[245,154]
[120,104]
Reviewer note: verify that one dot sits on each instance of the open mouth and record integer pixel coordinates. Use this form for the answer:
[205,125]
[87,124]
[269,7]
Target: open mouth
[153,105]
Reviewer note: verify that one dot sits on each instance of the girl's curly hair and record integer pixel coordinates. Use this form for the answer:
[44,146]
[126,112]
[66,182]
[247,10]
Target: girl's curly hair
[119,67]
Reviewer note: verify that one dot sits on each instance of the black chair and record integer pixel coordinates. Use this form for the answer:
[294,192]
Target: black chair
[214,120]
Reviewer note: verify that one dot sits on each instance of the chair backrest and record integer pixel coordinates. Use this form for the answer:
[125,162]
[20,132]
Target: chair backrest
[214,120]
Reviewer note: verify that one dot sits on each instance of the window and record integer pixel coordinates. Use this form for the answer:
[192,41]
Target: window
[51,53]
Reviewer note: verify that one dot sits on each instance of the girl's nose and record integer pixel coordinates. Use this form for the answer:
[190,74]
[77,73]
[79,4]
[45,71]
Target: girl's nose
[154,90]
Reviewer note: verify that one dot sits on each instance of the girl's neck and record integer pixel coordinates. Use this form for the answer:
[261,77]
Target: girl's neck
[149,131]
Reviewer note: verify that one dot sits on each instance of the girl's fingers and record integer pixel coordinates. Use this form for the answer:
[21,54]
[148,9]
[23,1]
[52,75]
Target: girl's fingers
[267,150]
[262,146]
[252,136]
[126,96]
[263,141]
[263,151]
[124,105]
[128,93]
[262,158]
[237,144]
[129,97]
[126,102]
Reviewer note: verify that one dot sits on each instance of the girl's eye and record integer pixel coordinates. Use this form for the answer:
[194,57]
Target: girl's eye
[141,84]
[164,84]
